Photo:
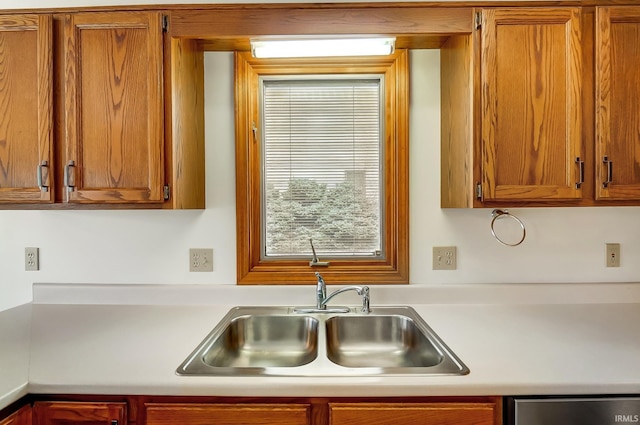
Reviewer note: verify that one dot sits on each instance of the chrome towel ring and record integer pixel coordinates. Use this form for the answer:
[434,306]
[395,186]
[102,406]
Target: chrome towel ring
[496,214]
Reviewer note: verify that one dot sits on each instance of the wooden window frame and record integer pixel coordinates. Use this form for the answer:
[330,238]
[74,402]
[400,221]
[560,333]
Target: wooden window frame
[394,268]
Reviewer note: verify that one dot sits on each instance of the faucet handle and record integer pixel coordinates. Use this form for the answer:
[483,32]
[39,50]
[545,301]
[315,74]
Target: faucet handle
[321,291]
[365,300]
[314,259]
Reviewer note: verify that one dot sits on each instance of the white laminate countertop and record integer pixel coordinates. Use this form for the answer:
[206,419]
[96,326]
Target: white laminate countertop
[15,334]
[526,340]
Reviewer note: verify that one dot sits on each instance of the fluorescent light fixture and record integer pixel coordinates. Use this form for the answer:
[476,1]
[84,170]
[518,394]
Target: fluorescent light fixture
[301,48]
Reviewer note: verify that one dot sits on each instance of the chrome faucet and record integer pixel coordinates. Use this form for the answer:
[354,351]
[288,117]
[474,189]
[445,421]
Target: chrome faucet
[322,299]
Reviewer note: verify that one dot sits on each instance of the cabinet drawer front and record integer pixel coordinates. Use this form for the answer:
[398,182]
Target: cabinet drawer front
[412,414]
[81,413]
[227,414]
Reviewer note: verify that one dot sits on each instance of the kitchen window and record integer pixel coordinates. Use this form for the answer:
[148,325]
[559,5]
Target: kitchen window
[321,166]
[321,155]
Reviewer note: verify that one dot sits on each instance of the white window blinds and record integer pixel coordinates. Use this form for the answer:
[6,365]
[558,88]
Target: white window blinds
[321,140]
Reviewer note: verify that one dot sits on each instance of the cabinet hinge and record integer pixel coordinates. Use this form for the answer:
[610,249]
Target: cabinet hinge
[478,191]
[165,23]
[167,192]
[478,20]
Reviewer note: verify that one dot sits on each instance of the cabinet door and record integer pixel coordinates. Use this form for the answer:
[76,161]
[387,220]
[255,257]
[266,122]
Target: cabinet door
[114,109]
[412,413]
[80,413]
[531,71]
[227,414]
[26,84]
[21,417]
[617,103]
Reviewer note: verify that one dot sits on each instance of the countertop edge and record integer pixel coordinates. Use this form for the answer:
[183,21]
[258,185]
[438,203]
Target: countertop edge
[14,395]
[189,294]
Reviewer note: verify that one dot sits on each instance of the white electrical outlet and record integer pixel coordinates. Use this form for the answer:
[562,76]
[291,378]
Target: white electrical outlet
[200,260]
[31,259]
[613,255]
[444,258]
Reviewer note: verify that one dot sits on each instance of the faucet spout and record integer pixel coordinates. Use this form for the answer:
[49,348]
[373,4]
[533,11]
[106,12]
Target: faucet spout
[322,299]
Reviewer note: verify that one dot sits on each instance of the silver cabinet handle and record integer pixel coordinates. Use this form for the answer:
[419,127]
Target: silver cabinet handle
[609,164]
[42,187]
[581,169]
[67,169]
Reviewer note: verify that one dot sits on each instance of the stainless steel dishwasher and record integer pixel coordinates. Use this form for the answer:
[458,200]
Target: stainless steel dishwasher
[609,410]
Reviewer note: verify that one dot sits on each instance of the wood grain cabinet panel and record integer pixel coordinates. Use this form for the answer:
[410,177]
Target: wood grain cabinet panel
[531,79]
[412,413]
[26,89]
[79,413]
[21,417]
[83,101]
[227,414]
[169,410]
[617,75]
[114,107]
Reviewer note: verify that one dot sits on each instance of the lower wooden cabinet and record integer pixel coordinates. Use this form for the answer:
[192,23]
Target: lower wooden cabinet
[21,417]
[412,413]
[80,413]
[168,410]
[227,414]
[383,411]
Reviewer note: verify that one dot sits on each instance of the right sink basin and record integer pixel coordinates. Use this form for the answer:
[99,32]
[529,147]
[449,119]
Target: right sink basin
[383,341]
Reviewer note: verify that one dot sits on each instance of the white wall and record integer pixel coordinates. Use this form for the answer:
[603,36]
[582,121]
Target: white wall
[562,245]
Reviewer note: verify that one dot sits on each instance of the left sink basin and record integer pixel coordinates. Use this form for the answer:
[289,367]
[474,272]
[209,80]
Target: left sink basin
[249,343]
[265,341]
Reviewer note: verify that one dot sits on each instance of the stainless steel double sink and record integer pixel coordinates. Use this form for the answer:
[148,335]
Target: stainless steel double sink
[279,341]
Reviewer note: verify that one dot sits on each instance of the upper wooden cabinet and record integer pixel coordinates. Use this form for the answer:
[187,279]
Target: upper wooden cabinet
[99,109]
[114,107]
[26,87]
[512,110]
[531,79]
[617,75]
[540,107]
